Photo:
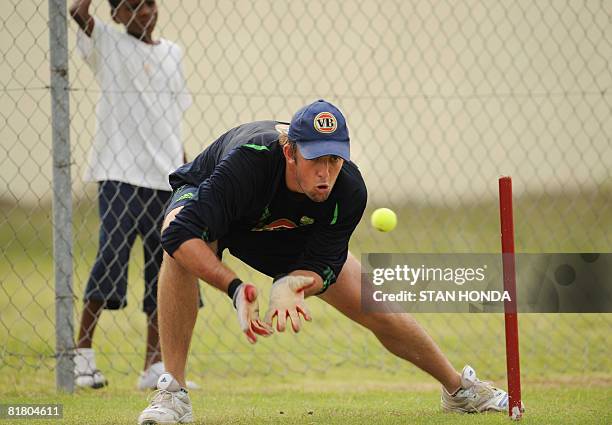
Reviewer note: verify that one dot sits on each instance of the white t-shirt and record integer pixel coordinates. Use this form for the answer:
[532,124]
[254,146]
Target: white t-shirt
[143,97]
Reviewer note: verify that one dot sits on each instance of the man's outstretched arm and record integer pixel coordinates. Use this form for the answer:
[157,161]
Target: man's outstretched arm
[287,298]
[196,256]
[317,284]
[200,260]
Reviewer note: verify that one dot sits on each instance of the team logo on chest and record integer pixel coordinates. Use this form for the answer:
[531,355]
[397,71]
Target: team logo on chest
[325,123]
[305,220]
[280,224]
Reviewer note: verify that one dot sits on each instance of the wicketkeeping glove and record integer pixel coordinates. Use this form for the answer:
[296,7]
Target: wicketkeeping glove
[287,300]
[247,307]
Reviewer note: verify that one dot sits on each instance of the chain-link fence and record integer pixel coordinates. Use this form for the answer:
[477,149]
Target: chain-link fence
[441,98]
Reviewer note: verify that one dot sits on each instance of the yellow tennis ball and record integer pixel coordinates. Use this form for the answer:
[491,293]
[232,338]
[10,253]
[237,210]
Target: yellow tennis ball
[384,219]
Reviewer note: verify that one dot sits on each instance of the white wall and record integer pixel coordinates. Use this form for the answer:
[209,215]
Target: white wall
[441,97]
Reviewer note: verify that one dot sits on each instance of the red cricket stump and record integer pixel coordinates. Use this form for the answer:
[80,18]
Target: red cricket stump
[513,369]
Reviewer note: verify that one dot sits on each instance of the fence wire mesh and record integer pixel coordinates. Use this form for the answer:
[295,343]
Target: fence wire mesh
[441,98]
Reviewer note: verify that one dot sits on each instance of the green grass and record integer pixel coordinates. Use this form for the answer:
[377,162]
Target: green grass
[333,369]
[323,400]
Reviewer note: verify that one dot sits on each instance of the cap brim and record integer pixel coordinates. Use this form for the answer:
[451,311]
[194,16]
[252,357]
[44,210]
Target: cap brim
[315,149]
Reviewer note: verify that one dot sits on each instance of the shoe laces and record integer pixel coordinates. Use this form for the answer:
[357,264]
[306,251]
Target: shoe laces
[479,388]
[158,397]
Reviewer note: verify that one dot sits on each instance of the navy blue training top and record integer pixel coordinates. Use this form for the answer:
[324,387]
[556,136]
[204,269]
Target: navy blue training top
[243,202]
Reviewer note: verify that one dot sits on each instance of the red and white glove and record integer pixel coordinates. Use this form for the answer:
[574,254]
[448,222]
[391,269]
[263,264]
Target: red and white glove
[247,307]
[287,300]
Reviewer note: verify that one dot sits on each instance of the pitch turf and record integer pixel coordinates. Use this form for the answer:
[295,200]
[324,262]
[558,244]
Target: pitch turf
[328,400]
[566,363]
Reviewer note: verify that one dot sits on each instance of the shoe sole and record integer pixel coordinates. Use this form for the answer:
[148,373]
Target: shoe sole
[99,385]
[95,386]
[187,419]
[471,412]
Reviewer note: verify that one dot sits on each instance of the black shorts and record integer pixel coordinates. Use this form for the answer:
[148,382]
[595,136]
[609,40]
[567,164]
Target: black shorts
[276,257]
[181,197]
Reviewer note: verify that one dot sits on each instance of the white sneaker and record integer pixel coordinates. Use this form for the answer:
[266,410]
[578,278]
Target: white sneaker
[475,396]
[148,378]
[170,404]
[86,375]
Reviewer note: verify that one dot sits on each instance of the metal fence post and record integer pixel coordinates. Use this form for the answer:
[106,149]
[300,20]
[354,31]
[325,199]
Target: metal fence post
[62,196]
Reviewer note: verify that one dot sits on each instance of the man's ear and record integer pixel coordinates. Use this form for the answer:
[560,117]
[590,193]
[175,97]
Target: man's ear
[289,153]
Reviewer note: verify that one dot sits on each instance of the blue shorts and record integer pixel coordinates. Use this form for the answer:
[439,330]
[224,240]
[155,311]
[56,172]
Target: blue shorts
[125,212]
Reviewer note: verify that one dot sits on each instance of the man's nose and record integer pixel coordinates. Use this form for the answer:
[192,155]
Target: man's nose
[323,169]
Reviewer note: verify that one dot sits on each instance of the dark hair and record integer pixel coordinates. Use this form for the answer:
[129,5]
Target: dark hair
[114,3]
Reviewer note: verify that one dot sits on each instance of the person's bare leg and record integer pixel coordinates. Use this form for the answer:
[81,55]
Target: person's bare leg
[177,303]
[398,332]
[89,320]
[177,310]
[153,353]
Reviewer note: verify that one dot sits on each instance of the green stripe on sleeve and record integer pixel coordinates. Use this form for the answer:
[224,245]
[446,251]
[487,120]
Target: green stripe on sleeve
[329,275]
[335,218]
[257,147]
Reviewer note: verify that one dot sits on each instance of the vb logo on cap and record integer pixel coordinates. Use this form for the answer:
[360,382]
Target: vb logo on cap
[319,129]
[325,122]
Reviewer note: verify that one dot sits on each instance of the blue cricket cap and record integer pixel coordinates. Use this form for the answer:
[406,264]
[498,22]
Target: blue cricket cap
[319,129]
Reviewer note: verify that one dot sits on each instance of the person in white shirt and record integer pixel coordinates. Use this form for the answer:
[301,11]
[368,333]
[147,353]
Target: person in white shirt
[137,144]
